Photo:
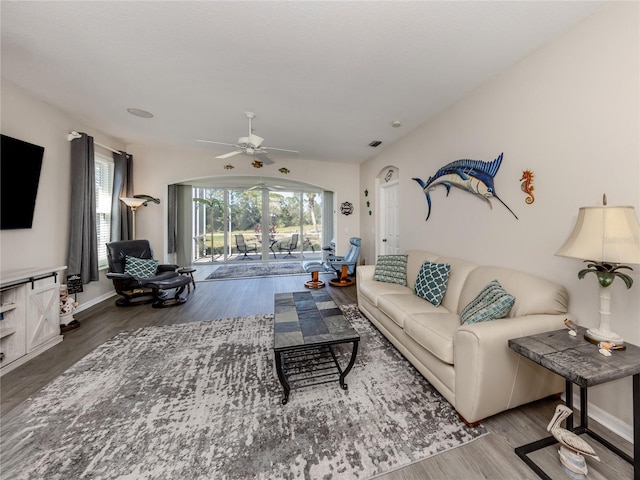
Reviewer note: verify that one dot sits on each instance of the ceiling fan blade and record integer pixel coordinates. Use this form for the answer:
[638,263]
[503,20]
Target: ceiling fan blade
[218,143]
[230,154]
[263,158]
[282,150]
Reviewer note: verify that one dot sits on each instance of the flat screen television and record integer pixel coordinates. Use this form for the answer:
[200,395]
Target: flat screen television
[20,164]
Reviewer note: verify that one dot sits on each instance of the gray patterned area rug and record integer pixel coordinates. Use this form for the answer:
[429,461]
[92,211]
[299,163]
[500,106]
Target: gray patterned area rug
[256,270]
[202,401]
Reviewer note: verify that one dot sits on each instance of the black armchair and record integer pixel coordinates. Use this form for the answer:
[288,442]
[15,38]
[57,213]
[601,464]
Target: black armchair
[139,279]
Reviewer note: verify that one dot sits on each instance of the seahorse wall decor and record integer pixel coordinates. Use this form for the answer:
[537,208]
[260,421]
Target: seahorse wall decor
[527,186]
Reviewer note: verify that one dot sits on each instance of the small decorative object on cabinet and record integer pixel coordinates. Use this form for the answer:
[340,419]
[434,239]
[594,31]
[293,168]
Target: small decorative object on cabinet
[67,306]
[30,311]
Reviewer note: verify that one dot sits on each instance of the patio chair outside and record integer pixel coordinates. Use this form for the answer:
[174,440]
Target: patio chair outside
[244,247]
[288,247]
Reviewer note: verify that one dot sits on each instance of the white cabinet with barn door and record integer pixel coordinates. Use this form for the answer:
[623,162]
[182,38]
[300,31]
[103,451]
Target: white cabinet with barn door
[30,314]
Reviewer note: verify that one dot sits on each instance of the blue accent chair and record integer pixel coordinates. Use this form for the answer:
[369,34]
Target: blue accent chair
[334,263]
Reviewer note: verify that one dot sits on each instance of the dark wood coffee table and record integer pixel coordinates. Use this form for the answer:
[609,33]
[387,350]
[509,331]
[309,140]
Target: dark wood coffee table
[307,326]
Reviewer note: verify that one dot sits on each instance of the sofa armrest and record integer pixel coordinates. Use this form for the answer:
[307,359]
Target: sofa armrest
[490,377]
[364,273]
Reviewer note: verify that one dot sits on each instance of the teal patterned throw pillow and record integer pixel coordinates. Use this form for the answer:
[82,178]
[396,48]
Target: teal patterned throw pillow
[431,283]
[491,303]
[391,269]
[140,267]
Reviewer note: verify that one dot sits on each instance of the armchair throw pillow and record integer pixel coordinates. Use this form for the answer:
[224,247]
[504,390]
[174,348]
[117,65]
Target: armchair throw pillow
[140,267]
[391,269]
[491,303]
[431,283]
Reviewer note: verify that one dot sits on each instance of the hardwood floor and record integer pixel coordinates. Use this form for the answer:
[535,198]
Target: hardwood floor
[490,457]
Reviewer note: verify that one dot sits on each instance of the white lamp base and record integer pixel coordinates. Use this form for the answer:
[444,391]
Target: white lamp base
[603,333]
[595,335]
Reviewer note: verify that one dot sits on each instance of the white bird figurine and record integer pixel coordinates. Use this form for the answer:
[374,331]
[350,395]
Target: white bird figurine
[572,446]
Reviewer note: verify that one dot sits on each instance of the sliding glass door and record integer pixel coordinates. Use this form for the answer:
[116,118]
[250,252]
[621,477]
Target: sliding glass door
[256,224]
[245,219]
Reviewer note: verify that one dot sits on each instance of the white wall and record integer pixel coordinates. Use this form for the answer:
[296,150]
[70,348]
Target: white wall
[46,243]
[27,118]
[570,113]
[155,168]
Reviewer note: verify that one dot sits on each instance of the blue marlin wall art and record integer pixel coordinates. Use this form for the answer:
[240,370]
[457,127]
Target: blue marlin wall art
[473,176]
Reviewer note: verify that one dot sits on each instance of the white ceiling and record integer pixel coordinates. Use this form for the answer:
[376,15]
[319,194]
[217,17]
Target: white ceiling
[324,78]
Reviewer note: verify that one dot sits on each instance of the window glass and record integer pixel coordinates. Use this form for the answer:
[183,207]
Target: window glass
[104,190]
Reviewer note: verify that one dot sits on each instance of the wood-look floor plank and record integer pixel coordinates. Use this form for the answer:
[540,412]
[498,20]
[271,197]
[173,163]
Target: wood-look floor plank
[491,457]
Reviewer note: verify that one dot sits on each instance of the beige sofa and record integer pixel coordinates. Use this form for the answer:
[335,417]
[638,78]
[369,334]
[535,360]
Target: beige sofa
[472,365]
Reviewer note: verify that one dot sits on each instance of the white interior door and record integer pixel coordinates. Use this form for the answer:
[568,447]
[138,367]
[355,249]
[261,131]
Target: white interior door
[389,219]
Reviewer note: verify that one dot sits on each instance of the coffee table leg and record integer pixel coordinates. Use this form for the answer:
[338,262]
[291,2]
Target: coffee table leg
[281,376]
[354,352]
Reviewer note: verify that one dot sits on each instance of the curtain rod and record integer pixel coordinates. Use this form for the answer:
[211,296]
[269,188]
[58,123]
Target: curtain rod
[73,135]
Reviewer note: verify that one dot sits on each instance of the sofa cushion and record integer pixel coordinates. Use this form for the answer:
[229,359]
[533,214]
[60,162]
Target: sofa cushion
[434,332]
[492,302]
[391,269]
[534,295]
[414,263]
[460,270]
[373,290]
[431,283]
[397,306]
[140,267]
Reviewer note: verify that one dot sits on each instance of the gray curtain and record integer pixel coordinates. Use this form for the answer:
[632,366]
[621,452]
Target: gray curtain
[83,241]
[327,218]
[184,227]
[172,220]
[121,216]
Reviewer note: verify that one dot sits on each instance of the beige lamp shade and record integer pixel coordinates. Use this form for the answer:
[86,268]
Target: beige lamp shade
[607,234]
[132,202]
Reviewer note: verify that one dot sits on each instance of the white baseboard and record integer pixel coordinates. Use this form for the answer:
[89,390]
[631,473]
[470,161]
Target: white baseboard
[605,419]
[94,301]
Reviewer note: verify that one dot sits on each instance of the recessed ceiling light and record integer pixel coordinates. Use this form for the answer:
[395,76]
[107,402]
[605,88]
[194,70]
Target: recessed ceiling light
[396,123]
[140,113]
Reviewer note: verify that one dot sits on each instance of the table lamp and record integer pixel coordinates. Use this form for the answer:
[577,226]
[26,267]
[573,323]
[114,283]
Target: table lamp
[606,237]
[133,204]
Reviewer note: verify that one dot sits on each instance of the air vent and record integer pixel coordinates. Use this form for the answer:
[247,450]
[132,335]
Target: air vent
[375,143]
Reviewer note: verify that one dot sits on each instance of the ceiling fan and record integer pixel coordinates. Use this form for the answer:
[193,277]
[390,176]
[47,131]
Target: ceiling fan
[250,145]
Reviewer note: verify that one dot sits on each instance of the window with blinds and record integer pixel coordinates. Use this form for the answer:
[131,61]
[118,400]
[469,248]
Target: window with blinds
[104,190]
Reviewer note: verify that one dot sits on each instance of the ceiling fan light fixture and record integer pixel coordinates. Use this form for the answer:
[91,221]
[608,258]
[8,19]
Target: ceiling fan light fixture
[255,140]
